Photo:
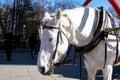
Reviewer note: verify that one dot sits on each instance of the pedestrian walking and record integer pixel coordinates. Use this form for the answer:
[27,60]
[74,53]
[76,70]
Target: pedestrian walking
[33,44]
[8,42]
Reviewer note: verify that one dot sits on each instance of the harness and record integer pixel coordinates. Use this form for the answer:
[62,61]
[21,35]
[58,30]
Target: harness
[101,33]
[98,35]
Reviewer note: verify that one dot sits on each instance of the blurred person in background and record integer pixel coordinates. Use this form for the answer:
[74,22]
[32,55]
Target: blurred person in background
[8,43]
[33,44]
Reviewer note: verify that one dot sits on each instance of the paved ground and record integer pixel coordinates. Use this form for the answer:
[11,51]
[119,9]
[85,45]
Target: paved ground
[22,67]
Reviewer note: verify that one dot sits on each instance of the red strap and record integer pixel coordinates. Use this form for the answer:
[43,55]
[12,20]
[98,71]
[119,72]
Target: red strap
[86,3]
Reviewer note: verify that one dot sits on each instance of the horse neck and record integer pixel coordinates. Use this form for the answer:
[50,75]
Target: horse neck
[81,26]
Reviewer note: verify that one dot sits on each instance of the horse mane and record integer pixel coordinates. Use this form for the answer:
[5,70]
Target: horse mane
[65,15]
[72,29]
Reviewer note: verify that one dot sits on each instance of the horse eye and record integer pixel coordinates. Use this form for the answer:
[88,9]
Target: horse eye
[50,40]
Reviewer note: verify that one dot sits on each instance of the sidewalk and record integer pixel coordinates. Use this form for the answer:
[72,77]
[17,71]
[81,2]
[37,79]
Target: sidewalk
[22,67]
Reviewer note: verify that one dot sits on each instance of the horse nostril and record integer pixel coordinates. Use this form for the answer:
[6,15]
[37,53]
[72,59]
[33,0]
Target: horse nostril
[42,69]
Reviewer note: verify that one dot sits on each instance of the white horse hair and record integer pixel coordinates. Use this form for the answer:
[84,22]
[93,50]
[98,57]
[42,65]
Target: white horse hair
[78,25]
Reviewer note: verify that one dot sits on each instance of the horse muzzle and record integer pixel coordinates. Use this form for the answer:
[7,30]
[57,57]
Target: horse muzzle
[43,71]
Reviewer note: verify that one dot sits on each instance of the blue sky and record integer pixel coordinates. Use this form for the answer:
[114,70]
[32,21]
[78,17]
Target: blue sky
[6,1]
[93,3]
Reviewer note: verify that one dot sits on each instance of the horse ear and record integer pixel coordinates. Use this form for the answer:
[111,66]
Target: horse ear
[46,17]
[46,14]
[58,14]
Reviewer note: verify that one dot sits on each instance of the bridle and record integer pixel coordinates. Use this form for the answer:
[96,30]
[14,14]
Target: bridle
[55,51]
[59,36]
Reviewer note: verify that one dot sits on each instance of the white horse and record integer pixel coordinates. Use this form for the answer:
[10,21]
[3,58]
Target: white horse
[76,26]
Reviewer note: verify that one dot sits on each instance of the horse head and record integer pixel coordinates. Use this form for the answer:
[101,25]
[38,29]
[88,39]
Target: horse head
[54,44]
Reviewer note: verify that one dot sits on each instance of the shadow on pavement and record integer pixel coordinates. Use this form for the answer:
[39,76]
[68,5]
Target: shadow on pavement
[19,58]
[68,71]
[74,72]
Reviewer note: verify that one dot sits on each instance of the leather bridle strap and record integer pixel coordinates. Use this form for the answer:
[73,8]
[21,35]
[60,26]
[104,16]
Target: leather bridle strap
[66,62]
[56,45]
[58,36]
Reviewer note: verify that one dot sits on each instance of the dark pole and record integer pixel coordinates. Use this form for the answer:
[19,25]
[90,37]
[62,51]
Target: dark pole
[1,25]
[13,15]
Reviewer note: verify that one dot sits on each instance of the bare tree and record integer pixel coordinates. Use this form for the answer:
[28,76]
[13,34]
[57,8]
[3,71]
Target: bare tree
[63,4]
[39,11]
